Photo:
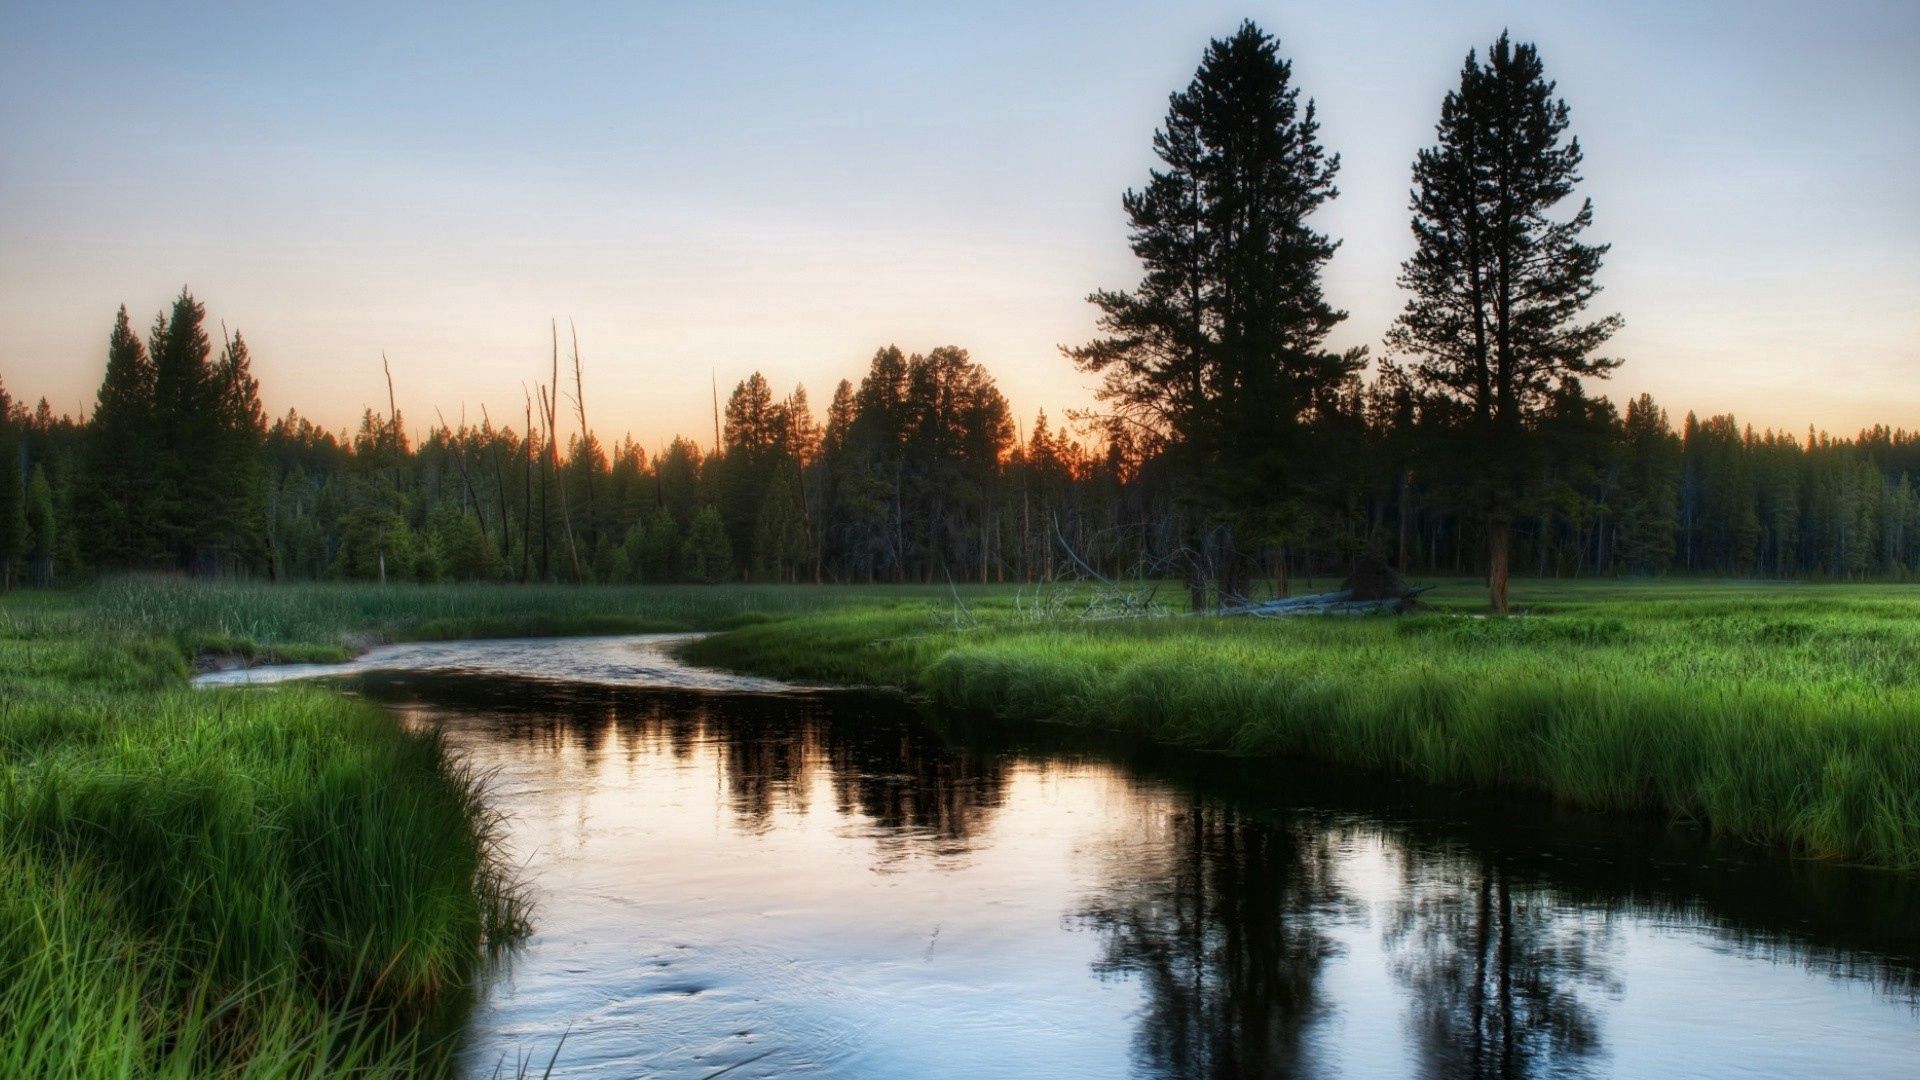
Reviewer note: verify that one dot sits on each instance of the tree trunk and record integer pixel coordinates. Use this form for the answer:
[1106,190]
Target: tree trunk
[1405,516]
[1499,545]
[1197,574]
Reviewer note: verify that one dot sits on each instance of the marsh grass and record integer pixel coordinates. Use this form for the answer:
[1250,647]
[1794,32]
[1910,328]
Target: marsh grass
[1785,715]
[233,883]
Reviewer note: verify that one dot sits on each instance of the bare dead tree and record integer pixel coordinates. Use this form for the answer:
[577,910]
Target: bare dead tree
[549,400]
[393,411]
[526,517]
[459,441]
[580,404]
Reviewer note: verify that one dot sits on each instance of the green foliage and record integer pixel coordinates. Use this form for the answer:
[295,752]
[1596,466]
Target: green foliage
[459,550]
[707,556]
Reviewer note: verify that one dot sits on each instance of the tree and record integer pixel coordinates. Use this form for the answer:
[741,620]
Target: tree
[707,556]
[43,544]
[15,539]
[1216,355]
[116,496]
[1649,489]
[186,430]
[232,534]
[754,441]
[1500,287]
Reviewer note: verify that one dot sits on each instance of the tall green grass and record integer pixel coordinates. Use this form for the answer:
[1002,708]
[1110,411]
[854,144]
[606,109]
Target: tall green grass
[230,883]
[1787,715]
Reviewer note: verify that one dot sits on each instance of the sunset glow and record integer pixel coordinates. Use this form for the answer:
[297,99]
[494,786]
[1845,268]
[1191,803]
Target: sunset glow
[786,191]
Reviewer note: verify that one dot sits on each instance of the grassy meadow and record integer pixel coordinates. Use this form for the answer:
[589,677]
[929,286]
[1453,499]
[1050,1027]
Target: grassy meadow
[1785,714]
[287,883]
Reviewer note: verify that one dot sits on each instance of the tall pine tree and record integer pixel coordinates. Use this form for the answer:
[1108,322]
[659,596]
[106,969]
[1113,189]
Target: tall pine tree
[1216,356]
[116,493]
[1497,322]
[186,429]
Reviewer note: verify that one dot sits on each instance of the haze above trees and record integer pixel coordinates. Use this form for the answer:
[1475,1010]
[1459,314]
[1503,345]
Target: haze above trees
[1229,446]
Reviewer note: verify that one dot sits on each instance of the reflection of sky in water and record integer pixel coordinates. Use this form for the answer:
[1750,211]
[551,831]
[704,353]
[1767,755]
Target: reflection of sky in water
[822,884]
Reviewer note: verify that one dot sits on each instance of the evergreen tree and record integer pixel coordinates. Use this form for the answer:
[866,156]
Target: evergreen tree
[653,548]
[1649,489]
[1217,354]
[751,459]
[707,557]
[116,495]
[232,534]
[43,547]
[15,538]
[1500,287]
[780,534]
[186,432]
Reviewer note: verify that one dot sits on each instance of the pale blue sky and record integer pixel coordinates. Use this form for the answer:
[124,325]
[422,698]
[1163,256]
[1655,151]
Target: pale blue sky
[724,187]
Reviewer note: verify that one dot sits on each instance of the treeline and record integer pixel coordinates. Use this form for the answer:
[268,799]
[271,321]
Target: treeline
[1231,447]
[917,472]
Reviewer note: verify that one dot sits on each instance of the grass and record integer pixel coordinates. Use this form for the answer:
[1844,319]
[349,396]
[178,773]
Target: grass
[232,883]
[1787,715]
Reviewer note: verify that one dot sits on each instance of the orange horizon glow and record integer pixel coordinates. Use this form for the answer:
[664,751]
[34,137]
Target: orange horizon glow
[703,201]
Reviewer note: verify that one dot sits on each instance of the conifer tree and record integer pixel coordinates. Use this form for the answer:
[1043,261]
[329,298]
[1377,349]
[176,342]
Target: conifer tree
[233,531]
[116,505]
[1649,495]
[1216,356]
[186,431]
[15,539]
[707,556]
[1496,322]
[43,543]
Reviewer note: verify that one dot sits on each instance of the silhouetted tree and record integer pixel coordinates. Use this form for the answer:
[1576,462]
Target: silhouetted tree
[15,538]
[1500,287]
[116,492]
[43,538]
[1216,356]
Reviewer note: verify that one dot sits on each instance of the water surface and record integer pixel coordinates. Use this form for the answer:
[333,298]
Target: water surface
[732,879]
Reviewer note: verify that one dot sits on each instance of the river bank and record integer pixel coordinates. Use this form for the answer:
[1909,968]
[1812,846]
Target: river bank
[1787,716]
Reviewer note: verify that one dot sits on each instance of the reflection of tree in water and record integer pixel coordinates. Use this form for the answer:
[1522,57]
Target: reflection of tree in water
[1497,969]
[1219,920]
[920,793]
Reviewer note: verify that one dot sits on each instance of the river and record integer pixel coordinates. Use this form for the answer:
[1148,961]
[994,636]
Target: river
[736,878]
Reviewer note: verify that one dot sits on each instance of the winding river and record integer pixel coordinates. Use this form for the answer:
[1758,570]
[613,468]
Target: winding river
[737,878]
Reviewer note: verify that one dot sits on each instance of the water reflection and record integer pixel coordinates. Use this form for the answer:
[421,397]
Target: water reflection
[1222,920]
[1499,971]
[835,884]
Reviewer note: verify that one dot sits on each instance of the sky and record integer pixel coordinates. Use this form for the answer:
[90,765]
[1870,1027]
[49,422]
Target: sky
[706,190]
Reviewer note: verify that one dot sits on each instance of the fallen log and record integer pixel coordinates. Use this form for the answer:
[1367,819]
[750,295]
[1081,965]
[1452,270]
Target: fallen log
[1343,602]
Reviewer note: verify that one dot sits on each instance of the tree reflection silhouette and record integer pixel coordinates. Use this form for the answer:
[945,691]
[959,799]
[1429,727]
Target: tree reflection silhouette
[1224,900]
[1498,970]
[1220,917]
